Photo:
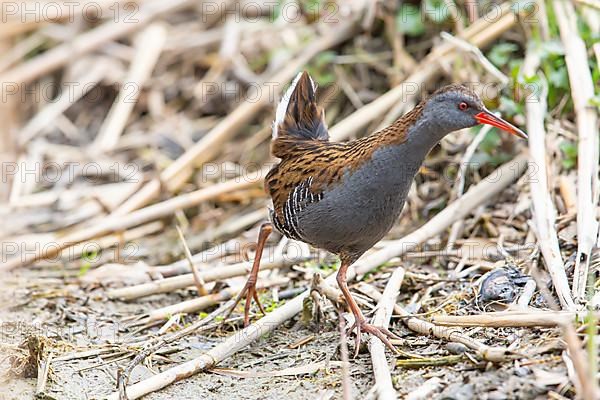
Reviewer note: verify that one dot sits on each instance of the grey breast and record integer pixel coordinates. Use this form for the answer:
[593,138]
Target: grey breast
[357,211]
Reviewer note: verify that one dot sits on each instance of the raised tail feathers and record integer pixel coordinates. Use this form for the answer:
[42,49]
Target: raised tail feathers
[298,117]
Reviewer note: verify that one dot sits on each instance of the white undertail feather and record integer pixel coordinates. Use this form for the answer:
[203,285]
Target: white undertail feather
[284,102]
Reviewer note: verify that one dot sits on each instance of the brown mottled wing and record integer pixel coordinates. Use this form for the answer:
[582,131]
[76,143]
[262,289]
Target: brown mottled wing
[299,180]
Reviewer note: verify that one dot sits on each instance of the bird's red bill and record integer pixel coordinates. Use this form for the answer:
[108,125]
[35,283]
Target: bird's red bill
[490,119]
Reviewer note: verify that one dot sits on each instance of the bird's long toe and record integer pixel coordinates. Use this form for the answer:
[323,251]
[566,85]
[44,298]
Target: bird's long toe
[382,334]
[249,293]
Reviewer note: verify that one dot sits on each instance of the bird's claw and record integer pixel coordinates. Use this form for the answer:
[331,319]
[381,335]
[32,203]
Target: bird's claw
[381,333]
[249,291]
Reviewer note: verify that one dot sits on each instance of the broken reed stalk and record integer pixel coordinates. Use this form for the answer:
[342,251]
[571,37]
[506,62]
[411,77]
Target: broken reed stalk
[206,148]
[544,213]
[203,302]
[586,117]
[527,294]
[153,345]
[586,383]
[426,328]
[210,275]
[18,20]
[220,352]
[181,267]
[198,281]
[73,92]
[480,33]
[346,382]
[477,195]
[513,319]
[122,222]
[148,47]
[385,308]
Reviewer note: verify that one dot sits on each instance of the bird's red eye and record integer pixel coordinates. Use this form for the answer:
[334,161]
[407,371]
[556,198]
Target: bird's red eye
[463,106]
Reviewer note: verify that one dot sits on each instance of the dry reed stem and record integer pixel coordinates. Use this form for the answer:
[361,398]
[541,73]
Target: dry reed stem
[13,28]
[544,213]
[220,352]
[118,238]
[148,47]
[60,11]
[90,41]
[526,295]
[459,189]
[477,195]
[19,20]
[75,91]
[198,281]
[8,141]
[346,381]
[528,318]
[586,385]
[44,366]
[182,267]
[121,222]
[19,50]
[203,302]
[385,308]
[582,91]
[210,275]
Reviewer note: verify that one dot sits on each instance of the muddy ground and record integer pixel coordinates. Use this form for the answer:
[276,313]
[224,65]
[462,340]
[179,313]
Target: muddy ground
[47,308]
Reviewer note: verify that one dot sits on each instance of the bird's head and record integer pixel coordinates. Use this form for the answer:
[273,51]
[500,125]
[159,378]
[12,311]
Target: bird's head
[455,107]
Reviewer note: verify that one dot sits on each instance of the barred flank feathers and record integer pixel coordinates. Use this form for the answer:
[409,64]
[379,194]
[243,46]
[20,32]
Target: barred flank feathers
[298,117]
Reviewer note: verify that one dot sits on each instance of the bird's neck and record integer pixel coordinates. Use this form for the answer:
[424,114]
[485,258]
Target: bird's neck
[402,147]
[396,152]
[415,133]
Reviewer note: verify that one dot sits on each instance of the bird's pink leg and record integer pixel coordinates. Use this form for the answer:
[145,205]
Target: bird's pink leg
[249,289]
[359,320]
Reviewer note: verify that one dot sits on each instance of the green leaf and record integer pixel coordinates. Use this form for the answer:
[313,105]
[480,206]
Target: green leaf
[409,20]
[490,142]
[501,53]
[595,101]
[273,305]
[85,267]
[569,150]
[552,48]
[87,258]
[559,78]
